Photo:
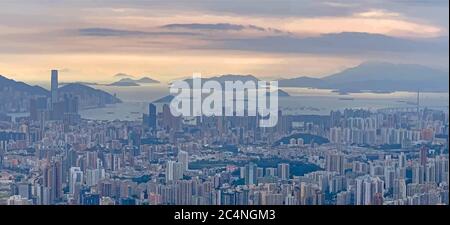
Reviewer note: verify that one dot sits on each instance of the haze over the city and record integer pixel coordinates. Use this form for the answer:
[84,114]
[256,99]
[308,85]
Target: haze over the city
[166,40]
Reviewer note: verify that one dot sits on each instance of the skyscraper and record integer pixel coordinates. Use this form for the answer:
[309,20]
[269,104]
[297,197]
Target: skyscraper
[54,87]
[183,158]
[423,156]
[37,106]
[250,174]
[75,182]
[399,189]
[183,192]
[53,180]
[75,179]
[418,174]
[24,190]
[369,190]
[335,162]
[91,160]
[283,171]
[174,171]
[402,160]
[152,116]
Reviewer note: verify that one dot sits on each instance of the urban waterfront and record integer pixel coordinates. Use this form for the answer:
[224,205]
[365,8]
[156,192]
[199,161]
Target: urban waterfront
[222,103]
[394,156]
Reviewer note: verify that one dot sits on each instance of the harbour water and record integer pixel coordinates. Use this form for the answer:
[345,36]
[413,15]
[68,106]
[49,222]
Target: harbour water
[301,101]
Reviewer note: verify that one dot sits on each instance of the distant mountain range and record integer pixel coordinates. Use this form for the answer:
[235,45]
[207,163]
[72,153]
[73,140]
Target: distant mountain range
[144,80]
[377,77]
[88,96]
[366,77]
[168,98]
[123,84]
[227,77]
[15,96]
[122,75]
[221,79]
[12,85]
[233,78]
[134,82]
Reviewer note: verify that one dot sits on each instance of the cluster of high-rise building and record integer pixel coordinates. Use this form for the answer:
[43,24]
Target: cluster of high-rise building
[387,128]
[355,157]
[59,107]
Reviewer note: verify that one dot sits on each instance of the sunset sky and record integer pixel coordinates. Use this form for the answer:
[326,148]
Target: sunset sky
[166,40]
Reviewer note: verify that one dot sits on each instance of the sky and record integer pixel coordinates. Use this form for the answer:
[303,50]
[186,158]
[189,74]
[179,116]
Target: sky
[167,40]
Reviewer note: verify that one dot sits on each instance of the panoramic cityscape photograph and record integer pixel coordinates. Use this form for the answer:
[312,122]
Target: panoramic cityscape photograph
[247,103]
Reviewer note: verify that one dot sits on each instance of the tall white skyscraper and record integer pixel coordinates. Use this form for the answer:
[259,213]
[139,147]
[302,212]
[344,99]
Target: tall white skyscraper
[75,180]
[183,158]
[174,171]
[54,87]
[169,170]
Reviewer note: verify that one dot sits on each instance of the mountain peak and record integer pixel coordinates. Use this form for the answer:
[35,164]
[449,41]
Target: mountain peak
[21,86]
[146,80]
[378,76]
[123,75]
[377,70]
[97,97]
